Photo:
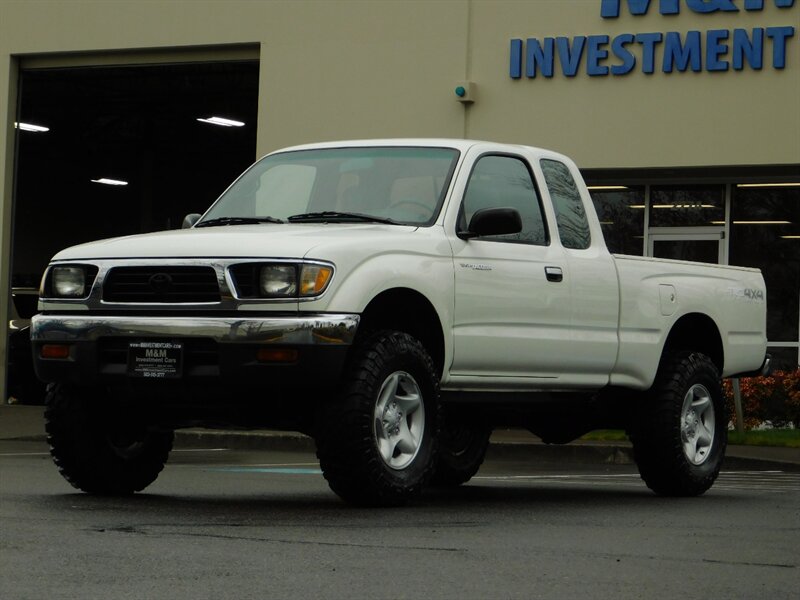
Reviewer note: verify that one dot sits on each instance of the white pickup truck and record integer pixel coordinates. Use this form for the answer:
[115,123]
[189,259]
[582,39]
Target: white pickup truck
[395,300]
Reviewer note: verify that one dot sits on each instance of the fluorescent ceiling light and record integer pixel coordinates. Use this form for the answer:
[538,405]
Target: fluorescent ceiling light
[684,206]
[768,185]
[607,187]
[31,127]
[674,206]
[762,222]
[107,181]
[790,237]
[753,222]
[222,122]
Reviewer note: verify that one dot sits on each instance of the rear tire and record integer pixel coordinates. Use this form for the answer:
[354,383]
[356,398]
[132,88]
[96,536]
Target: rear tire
[98,450]
[462,449]
[681,434]
[377,441]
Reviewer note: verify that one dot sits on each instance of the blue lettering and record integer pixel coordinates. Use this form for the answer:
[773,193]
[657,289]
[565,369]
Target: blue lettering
[710,6]
[609,9]
[679,55]
[570,57]
[759,4]
[621,52]
[538,56]
[715,48]
[595,54]
[724,49]
[515,63]
[779,37]
[745,49]
[648,42]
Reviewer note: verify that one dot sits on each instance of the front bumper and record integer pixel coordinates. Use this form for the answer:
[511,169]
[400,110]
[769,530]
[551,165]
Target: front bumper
[223,349]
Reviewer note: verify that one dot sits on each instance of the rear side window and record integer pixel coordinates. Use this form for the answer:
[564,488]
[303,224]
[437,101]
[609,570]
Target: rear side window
[504,181]
[573,226]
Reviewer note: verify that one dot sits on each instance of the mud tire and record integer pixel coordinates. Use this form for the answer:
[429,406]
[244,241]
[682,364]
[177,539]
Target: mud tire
[680,437]
[362,463]
[97,451]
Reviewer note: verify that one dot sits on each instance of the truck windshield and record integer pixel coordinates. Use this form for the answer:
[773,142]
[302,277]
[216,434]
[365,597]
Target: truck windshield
[398,185]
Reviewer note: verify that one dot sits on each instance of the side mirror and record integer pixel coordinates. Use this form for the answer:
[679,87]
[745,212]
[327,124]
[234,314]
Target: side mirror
[190,219]
[492,221]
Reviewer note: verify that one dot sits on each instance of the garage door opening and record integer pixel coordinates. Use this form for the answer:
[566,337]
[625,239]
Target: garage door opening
[112,151]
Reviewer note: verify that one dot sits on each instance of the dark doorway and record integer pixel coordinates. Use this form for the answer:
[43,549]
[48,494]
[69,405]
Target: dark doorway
[133,124]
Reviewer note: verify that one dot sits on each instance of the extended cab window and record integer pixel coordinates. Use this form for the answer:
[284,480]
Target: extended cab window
[504,181]
[573,226]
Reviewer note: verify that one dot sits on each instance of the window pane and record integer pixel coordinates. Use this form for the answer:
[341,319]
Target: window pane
[706,251]
[766,234]
[621,214]
[681,206]
[405,184]
[573,227]
[502,181]
[292,182]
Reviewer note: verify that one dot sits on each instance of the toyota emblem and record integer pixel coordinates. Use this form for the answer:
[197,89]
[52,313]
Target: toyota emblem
[161,283]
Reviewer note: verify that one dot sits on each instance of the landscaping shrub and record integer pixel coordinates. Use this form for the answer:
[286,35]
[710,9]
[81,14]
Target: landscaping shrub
[774,399]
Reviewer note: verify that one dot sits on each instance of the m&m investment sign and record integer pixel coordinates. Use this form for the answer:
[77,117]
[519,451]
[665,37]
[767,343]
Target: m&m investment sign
[710,50]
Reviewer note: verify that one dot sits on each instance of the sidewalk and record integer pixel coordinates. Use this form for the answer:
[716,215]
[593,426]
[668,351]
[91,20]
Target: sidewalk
[18,422]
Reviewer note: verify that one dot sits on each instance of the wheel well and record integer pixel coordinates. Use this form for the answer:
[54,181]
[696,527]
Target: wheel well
[699,333]
[406,310]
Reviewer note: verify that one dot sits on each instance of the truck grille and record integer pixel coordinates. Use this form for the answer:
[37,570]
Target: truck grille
[161,284]
[245,279]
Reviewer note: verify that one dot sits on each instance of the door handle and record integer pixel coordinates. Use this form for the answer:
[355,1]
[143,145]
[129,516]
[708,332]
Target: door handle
[554,274]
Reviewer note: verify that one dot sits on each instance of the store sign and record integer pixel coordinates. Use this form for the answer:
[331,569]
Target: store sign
[711,50]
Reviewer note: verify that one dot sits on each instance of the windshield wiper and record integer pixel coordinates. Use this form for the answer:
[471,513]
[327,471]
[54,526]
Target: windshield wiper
[332,215]
[238,221]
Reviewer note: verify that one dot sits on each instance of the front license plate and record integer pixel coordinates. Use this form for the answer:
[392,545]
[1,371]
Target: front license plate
[155,360]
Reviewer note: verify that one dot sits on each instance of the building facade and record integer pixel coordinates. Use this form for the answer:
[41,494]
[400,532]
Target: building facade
[684,115]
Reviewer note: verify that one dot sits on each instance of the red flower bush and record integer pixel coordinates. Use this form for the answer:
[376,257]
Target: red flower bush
[775,398]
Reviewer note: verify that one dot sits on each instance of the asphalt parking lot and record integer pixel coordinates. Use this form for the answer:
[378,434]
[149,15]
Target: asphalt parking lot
[226,522]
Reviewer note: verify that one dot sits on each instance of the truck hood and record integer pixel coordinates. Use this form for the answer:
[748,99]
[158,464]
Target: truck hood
[294,240]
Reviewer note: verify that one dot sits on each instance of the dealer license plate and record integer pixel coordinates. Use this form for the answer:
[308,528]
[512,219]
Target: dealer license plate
[155,360]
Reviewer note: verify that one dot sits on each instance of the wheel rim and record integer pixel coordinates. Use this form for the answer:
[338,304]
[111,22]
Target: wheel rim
[697,424]
[399,421]
[126,446]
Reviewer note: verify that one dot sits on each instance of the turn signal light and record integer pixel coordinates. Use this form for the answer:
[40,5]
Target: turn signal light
[57,351]
[277,355]
[314,279]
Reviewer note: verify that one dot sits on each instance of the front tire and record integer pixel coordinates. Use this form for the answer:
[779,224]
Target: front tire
[98,451]
[681,435]
[377,441]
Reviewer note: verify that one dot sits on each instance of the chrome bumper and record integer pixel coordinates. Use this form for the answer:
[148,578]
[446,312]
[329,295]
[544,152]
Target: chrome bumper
[317,330]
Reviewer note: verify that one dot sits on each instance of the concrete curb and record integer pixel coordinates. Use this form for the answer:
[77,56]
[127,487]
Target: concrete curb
[26,423]
[529,450]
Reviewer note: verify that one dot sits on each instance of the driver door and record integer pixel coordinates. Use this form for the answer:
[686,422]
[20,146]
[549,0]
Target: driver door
[512,301]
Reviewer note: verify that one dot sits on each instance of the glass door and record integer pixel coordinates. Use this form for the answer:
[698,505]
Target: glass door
[687,222]
[687,243]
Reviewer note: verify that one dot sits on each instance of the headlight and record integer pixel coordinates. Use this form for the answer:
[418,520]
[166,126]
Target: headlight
[69,282]
[278,281]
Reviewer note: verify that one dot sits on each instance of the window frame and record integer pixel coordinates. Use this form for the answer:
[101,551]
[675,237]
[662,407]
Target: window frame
[461,218]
